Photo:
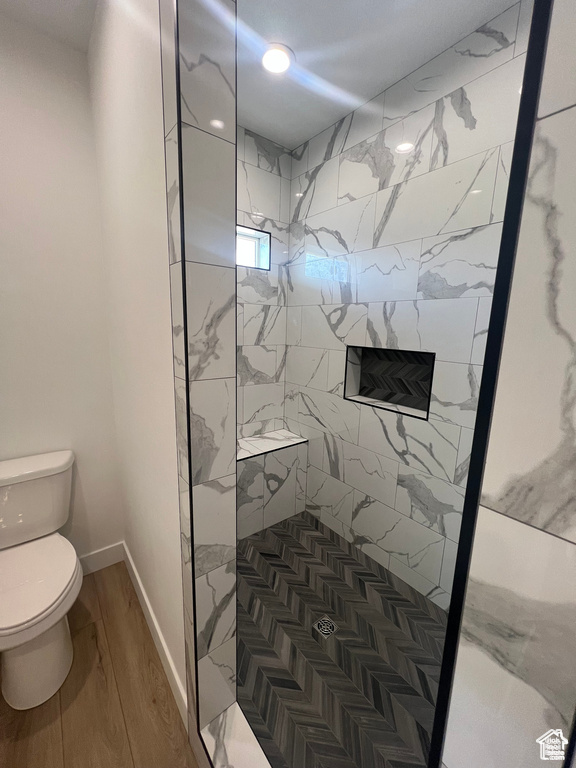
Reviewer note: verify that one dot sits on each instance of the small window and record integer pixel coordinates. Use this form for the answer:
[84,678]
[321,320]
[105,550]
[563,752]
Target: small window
[252,248]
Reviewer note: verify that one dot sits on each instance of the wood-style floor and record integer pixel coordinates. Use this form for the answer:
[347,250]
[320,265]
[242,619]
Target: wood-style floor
[115,709]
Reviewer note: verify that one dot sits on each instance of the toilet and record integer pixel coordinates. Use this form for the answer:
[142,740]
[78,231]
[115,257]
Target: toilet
[40,577]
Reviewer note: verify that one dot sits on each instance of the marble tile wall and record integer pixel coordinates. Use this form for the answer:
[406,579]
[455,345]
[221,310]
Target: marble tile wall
[271,488]
[400,250]
[263,199]
[515,676]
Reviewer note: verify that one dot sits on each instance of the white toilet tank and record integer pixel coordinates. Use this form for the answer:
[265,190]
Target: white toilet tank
[34,496]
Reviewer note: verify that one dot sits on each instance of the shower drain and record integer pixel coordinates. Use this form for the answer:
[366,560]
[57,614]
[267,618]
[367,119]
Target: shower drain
[325,626]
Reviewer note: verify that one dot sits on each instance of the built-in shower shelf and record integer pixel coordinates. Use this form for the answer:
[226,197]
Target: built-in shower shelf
[270,441]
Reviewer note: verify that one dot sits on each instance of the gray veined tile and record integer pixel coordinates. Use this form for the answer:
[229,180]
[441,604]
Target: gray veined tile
[314,436]
[334,326]
[524,22]
[217,681]
[479,115]
[414,545]
[419,583]
[463,458]
[257,286]
[329,413]
[328,143]
[264,324]
[310,283]
[389,273]
[443,326]
[211,299]
[231,742]
[488,47]
[559,79]
[258,192]
[448,565]
[517,632]
[374,164]
[430,501]
[267,154]
[530,467]
[260,365]
[185,527]
[250,499]
[346,229]
[279,234]
[293,326]
[173,196]
[462,264]
[181,427]
[280,484]
[455,197]
[239,323]
[314,191]
[299,160]
[481,331]
[307,367]
[327,495]
[336,372]
[455,390]
[210,210]
[263,402]
[214,505]
[215,608]
[366,121]
[208,68]
[430,446]
[502,179]
[176,303]
[212,429]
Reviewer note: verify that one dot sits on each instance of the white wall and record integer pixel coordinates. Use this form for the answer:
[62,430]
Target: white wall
[55,382]
[127,104]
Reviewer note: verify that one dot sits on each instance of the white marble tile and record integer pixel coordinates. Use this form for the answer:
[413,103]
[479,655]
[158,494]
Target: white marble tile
[301,477]
[264,324]
[512,680]
[329,413]
[487,48]
[299,160]
[181,427]
[463,458]
[258,191]
[328,143]
[267,154]
[430,501]
[250,500]
[443,326]
[259,365]
[285,199]
[389,273]
[231,742]
[213,429]
[310,283]
[210,210]
[455,197]
[217,681]
[478,116]
[326,494]
[430,446]
[414,545]
[419,583]
[263,402]
[314,191]
[346,229]
[530,467]
[459,265]
[524,22]
[173,196]
[558,89]
[502,179]
[270,441]
[374,164]
[448,565]
[211,300]
[366,121]
[315,439]
[239,323]
[208,67]
[214,505]
[257,286]
[336,371]
[278,230]
[481,331]
[334,326]
[215,608]
[280,484]
[293,326]
[455,389]
[176,304]
[307,367]
[167,31]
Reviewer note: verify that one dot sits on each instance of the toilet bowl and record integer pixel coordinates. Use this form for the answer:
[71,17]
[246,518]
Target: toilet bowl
[40,577]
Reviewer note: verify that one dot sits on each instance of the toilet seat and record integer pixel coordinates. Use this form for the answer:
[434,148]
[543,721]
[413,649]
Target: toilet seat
[39,582]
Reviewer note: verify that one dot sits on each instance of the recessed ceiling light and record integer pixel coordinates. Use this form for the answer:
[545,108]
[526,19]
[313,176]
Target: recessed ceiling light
[218,124]
[404,148]
[277,58]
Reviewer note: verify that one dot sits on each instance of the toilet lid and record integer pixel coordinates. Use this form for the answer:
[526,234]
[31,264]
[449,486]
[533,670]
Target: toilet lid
[34,576]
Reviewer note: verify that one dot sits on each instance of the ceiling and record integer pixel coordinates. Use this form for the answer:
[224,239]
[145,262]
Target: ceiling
[69,21]
[348,51]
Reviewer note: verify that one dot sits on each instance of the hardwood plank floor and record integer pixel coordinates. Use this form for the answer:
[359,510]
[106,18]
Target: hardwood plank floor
[115,709]
[155,729]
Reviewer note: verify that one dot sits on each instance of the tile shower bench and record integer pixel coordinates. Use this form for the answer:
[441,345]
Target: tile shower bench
[271,471]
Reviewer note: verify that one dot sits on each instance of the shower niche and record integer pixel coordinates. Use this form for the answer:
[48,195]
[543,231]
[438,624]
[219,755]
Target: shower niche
[393,379]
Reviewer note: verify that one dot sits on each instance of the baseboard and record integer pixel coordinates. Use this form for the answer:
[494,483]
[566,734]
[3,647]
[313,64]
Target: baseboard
[102,558]
[178,689]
